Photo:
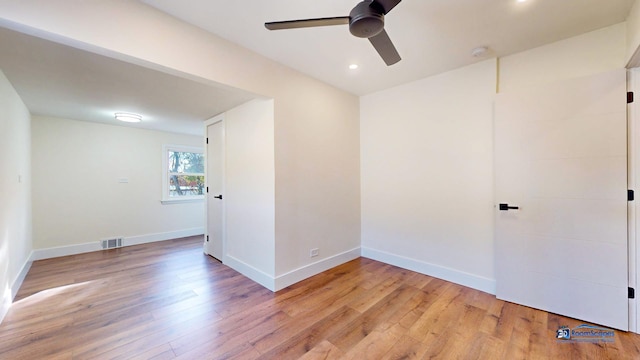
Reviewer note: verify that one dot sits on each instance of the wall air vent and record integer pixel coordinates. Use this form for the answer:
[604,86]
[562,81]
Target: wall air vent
[112,243]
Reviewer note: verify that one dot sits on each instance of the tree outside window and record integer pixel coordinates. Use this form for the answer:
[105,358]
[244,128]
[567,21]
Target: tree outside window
[183,173]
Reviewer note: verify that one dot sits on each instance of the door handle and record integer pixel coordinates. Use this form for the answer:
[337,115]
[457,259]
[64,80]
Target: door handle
[218,197]
[506,207]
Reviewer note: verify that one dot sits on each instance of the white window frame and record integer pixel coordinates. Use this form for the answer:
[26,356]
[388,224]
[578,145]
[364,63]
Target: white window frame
[166,199]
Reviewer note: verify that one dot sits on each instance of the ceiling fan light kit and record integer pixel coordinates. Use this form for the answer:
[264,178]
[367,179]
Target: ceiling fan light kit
[366,20]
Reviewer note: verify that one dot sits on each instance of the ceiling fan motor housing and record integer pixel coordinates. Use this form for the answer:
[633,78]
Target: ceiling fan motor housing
[366,20]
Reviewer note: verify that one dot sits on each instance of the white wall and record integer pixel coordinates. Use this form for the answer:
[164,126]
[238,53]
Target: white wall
[633,34]
[317,193]
[259,237]
[317,181]
[15,192]
[427,175]
[250,189]
[77,196]
[591,53]
[427,191]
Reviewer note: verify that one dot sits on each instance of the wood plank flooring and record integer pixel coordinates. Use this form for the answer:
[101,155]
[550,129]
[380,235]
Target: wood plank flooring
[167,300]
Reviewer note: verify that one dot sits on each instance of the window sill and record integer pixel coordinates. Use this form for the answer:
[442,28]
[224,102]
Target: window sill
[181,201]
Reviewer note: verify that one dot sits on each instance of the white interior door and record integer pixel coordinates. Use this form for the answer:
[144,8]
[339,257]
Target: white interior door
[561,158]
[215,168]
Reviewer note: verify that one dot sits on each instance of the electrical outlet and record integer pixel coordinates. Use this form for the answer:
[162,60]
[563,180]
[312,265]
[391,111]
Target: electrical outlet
[314,252]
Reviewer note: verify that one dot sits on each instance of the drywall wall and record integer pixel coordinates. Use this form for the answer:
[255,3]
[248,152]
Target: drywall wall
[633,33]
[317,181]
[427,175]
[317,193]
[591,53]
[15,192]
[78,196]
[249,192]
[250,188]
[426,157]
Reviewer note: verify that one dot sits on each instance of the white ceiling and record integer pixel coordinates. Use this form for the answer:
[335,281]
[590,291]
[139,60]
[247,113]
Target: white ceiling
[432,36]
[65,82]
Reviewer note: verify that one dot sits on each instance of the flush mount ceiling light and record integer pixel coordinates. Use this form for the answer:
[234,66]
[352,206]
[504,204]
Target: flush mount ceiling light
[479,51]
[128,117]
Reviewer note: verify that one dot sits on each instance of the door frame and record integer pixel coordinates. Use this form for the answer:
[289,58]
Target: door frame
[207,123]
[633,213]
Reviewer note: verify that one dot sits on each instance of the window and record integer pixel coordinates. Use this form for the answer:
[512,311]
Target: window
[183,174]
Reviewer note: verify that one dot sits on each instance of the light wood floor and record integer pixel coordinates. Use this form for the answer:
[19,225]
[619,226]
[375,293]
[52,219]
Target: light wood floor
[169,301]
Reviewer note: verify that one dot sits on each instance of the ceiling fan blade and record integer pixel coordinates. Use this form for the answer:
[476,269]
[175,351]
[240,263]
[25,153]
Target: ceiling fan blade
[387,5]
[295,24]
[385,48]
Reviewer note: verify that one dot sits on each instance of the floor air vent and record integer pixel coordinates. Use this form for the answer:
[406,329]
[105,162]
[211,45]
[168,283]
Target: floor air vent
[112,243]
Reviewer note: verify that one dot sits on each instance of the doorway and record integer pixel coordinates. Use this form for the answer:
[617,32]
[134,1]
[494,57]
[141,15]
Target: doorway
[561,198]
[214,213]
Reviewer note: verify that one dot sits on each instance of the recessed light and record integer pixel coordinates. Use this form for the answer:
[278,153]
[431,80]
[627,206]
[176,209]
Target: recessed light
[521,1]
[353,66]
[128,117]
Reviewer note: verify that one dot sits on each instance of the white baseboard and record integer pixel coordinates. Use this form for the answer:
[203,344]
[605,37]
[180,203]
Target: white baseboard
[282,281]
[307,271]
[249,271]
[49,253]
[21,275]
[459,277]
[7,299]
[10,293]
[143,239]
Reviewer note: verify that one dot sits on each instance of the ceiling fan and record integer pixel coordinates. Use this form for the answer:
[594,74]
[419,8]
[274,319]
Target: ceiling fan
[366,20]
